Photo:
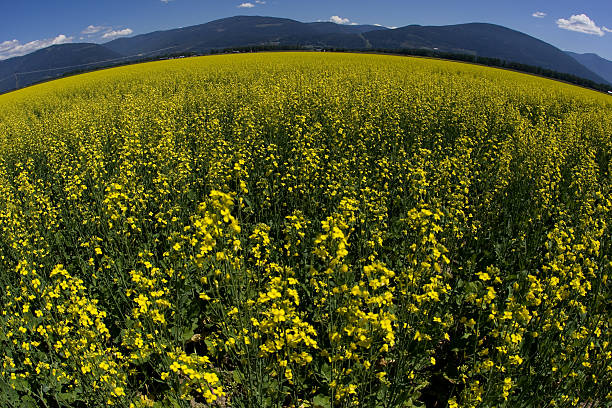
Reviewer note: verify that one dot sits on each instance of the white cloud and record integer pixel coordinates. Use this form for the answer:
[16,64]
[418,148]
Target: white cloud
[339,20]
[15,48]
[580,23]
[260,2]
[92,29]
[538,14]
[8,45]
[390,27]
[118,33]
[166,1]
[246,5]
[606,29]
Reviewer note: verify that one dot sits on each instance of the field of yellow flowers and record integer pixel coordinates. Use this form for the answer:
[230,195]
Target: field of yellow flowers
[305,230]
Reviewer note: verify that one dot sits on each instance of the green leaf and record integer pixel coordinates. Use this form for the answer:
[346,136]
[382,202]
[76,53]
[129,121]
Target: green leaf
[321,401]
[67,397]
[326,372]
[28,402]
[188,334]
[410,403]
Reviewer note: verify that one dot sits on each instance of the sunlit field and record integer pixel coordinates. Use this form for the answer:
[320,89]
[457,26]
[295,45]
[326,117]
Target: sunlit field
[305,230]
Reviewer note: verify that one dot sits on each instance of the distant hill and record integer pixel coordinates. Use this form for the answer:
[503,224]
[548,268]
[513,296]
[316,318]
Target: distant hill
[483,40]
[595,63]
[486,40]
[244,31]
[52,62]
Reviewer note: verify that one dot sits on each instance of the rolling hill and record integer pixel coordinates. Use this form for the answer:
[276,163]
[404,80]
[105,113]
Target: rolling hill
[595,63]
[244,31]
[52,62]
[486,40]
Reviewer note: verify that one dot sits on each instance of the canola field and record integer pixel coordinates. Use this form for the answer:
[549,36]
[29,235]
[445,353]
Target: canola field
[305,230]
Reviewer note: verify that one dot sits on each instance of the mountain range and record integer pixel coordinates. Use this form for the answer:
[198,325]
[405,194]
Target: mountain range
[478,39]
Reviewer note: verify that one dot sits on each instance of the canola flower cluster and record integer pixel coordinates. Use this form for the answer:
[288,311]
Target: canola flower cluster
[305,230]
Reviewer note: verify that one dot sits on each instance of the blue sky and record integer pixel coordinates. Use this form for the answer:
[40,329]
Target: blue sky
[28,25]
